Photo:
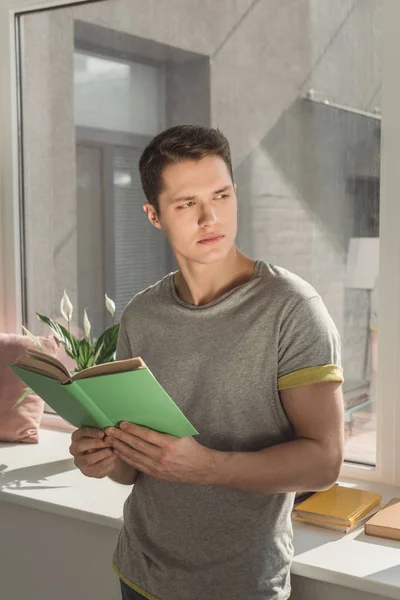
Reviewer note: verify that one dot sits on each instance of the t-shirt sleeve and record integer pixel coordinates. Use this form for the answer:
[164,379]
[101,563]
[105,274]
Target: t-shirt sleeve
[123,347]
[309,346]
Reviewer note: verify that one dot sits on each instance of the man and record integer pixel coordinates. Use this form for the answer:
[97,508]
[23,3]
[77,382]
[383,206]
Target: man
[250,354]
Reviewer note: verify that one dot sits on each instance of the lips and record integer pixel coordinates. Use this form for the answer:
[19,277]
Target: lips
[211,238]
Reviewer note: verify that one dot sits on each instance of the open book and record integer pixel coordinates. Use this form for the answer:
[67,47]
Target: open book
[103,395]
[40,362]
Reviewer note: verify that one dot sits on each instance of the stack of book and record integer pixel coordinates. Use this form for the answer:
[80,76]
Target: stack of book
[340,508]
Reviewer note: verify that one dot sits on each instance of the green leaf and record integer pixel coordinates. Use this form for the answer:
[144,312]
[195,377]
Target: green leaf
[22,397]
[70,343]
[32,337]
[96,356]
[85,357]
[109,342]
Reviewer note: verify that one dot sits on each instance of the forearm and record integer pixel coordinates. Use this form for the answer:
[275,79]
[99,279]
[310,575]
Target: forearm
[298,465]
[123,473]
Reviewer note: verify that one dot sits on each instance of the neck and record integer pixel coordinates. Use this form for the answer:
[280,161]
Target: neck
[201,284]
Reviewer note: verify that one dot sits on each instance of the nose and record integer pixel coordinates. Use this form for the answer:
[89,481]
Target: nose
[207,216]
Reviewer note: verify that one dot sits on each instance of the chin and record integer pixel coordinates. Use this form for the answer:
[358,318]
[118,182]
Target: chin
[207,255]
[212,256]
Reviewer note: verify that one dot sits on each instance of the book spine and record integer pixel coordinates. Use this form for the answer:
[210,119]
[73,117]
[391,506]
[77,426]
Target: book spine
[91,408]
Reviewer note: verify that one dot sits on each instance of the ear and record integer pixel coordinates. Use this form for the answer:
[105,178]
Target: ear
[235,188]
[152,215]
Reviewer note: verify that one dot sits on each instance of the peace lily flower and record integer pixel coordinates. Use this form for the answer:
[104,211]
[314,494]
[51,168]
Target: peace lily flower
[110,305]
[85,351]
[86,324]
[66,308]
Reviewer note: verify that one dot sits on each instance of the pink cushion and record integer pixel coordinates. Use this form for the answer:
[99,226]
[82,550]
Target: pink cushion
[20,424]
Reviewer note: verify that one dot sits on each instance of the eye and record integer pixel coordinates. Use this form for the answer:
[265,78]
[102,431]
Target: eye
[187,204]
[222,196]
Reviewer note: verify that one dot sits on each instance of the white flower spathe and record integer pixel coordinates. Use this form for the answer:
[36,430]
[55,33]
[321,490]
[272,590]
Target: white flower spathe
[66,307]
[86,324]
[110,305]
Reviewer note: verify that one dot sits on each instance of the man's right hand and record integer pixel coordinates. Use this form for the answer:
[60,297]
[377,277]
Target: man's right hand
[92,452]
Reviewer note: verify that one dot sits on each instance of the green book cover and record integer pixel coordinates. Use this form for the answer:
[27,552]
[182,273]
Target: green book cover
[106,400]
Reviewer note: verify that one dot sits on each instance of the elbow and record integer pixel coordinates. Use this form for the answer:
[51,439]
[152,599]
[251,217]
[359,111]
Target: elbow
[328,480]
[330,471]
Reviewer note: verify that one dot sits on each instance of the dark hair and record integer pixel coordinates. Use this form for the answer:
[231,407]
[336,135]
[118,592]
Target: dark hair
[174,145]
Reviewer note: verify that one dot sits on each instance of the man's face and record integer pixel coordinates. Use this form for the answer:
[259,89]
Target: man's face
[198,200]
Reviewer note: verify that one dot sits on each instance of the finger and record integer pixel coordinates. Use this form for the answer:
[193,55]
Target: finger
[150,436]
[137,460]
[137,445]
[108,468]
[94,457]
[88,445]
[91,432]
[114,433]
[147,436]
[102,468]
[98,445]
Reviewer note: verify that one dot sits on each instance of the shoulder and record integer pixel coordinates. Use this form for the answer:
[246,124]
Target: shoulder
[295,302]
[143,302]
[286,288]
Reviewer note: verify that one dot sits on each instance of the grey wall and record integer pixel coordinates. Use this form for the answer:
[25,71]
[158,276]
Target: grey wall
[90,237]
[46,556]
[49,161]
[67,558]
[311,589]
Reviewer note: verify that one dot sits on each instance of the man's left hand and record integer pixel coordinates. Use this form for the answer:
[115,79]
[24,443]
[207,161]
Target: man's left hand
[160,455]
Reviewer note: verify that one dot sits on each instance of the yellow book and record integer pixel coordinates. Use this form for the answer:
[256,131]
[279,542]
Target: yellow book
[339,505]
[336,526]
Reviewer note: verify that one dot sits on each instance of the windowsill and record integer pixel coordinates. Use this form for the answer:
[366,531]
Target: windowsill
[44,477]
[354,560]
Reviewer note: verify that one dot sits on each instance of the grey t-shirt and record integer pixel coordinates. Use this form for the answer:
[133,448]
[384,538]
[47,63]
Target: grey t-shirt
[223,363]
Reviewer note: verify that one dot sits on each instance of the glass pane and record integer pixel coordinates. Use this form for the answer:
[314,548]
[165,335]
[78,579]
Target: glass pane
[301,108]
[117,96]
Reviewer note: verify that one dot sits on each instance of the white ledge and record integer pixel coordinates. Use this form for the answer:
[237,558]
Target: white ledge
[354,560]
[44,477]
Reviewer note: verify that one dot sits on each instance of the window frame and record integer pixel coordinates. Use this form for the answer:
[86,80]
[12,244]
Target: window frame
[387,469]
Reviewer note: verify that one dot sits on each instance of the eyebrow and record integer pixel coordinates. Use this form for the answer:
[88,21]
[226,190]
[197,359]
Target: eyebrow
[189,198]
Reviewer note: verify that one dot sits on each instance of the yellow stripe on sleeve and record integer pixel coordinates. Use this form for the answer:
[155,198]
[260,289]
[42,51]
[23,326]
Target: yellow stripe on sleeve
[133,585]
[311,375]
